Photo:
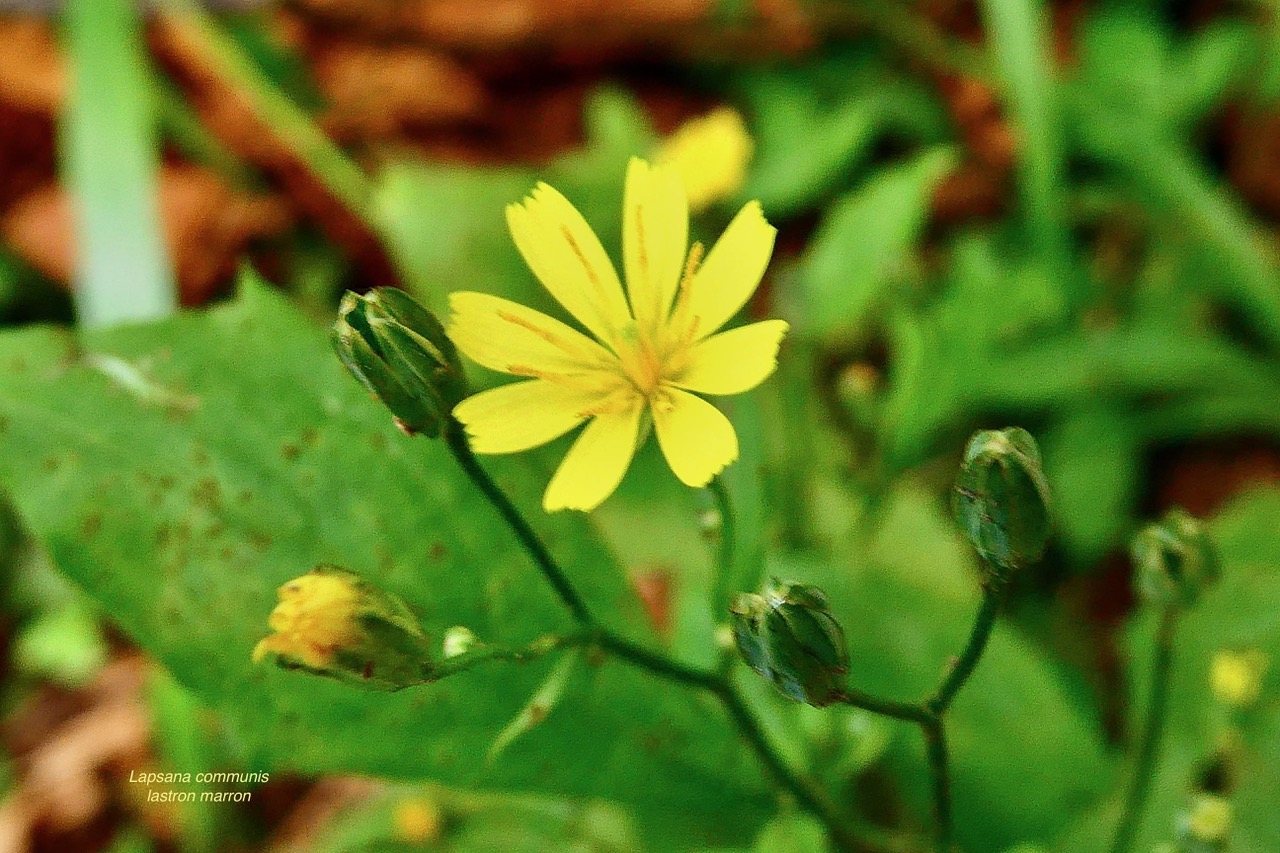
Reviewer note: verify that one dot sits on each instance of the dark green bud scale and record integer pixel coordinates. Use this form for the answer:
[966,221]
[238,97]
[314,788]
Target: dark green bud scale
[1174,561]
[400,353]
[789,637]
[1001,498]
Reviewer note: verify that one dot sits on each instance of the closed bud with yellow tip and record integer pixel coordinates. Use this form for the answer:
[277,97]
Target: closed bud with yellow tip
[330,622]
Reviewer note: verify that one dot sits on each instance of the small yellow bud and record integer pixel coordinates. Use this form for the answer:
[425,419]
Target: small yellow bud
[711,153]
[418,820]
[315,617]
[1236,677]
[1209,819]
[330,622]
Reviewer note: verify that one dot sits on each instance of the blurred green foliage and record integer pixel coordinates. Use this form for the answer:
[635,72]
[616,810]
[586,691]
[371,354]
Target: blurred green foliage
[179,472]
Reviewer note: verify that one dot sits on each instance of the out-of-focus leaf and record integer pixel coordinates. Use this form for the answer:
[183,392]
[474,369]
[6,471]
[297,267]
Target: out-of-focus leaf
[814,127]
[864,242]
[1023,47]
[64,645]
[404,819]
[1093,464]
[793,833]
[182,520]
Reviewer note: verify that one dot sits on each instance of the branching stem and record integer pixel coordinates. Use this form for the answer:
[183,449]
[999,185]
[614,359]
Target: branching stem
[717,683]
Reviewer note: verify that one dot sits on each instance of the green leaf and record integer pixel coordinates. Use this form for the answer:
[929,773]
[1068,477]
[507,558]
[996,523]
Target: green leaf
[1093,463]
[864,243]
[1020,39]
[180,513]
[794,833]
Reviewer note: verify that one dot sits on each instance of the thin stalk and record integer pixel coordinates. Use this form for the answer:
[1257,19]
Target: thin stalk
[486,654]
[1149,748]
[806,792]
[914,712]
[935,739]
[728,527]
[812,798]
[992,597]
[461,450]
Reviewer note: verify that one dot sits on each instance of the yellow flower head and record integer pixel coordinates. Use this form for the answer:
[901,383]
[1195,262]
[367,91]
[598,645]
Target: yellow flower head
[315,618]
[652,346]
[710,153]
[1236,677]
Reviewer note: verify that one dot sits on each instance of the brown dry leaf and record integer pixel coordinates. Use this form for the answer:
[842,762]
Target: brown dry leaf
[63,785]
[206,227]
[323,801]
[376,91]
[502,24]
[231,118]
[32,74]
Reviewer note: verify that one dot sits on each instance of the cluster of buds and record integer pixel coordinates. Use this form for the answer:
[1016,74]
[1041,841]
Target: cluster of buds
[788,636]
[1001,500]
[399,351]
[1174,560]
[330,622]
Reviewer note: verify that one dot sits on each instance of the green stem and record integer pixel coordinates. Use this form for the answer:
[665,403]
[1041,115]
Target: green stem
[461,449]
[806,792]
[911,711]
[935,739]
[992,597]
[1149,748]
[812,798]
[486,654]
[728,527]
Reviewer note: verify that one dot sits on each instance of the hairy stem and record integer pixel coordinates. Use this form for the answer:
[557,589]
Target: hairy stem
[457,441]
[1153,728]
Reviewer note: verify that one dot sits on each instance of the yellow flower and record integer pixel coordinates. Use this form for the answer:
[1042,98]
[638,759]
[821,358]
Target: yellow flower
[1236,677]
[711,153]
[652,346]
[316,616]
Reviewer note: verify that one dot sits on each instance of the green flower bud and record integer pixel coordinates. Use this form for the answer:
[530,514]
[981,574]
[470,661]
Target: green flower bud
[789,637]
[399,351]
[330,622]
[1174,561]
[1001,499]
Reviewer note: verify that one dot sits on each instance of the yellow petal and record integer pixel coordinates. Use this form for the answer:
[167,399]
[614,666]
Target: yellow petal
[522,415]
[655,235]
[506,336]
[566,256]
[734,361]
[731,272]
[711,153]
[595,464]
[696,438]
